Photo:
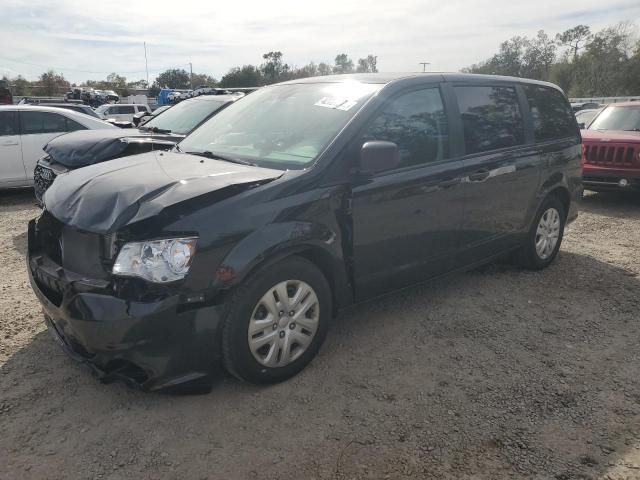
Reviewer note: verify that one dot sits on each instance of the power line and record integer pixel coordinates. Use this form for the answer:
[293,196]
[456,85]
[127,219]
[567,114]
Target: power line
[62,69]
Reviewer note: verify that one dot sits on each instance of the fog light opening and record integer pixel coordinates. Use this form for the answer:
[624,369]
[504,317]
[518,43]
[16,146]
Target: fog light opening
[623,183]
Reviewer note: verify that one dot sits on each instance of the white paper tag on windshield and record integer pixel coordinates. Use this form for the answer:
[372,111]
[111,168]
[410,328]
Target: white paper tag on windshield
[336,103]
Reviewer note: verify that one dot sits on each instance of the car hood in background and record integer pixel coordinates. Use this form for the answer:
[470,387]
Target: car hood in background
[617,136]
[86,147]
[104,197]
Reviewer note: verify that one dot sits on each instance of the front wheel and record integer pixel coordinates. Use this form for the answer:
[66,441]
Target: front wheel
[276,322]
[543,240]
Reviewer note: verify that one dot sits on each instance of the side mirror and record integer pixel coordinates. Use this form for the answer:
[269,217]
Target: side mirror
[377,156]
[581,125]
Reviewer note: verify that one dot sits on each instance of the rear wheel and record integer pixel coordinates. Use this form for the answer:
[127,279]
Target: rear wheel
[544,239]
[276,322]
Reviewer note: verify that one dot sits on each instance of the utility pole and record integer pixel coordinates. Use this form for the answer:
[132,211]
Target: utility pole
[191,76]
[424,66]
[146,64]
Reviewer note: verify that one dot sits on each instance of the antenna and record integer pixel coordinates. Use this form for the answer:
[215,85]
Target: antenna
[424,66]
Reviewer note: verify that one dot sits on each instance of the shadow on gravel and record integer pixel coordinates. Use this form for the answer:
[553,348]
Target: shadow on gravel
[612,204]
[493,374]
[16,199]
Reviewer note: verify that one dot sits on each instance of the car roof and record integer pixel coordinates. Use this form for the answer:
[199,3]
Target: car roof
[387,78]
[81,118]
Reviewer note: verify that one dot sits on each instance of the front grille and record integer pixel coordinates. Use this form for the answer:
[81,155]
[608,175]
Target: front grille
[43,177]
[606,154]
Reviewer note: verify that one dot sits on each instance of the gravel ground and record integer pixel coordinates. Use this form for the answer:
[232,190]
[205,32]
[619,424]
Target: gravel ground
[497,373]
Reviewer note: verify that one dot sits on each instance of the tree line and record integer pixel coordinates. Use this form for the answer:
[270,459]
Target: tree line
[581,62]
[273,69]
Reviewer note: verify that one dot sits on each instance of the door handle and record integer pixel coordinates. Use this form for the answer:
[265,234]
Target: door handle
[450,182]
[479,176]
[8,143]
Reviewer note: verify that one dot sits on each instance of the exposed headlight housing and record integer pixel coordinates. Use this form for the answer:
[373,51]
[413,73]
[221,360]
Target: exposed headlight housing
[158,261]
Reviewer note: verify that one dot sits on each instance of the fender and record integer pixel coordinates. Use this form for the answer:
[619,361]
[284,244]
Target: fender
[266,246]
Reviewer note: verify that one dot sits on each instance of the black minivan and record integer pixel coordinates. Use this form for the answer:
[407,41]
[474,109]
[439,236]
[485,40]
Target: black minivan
[237,247]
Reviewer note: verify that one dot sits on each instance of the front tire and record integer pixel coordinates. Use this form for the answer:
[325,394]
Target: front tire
[543,240]
[276,322]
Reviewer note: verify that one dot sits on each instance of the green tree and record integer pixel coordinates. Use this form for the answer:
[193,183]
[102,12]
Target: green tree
[51,83]
[245,76]
[343,64]
[273,69]
[203,79]
[324,69]
[174,78]
[575,39]
[21,86]
[368,64]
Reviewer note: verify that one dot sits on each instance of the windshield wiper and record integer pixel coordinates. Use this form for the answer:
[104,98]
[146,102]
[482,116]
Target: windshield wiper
[633,130]
[215,156]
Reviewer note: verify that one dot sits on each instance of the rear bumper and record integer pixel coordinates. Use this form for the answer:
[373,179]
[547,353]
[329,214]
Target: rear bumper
[151,345]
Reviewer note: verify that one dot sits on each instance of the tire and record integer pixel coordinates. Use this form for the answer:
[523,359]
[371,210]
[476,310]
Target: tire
[287,341]
[530,255]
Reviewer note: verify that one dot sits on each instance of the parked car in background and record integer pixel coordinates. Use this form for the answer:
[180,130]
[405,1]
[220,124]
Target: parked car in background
[142,117]
[238,247]
[5,93]
[76,107]
[611,156]
[585,117]
[162,132]
[121,112]
[576,107]
[26,129]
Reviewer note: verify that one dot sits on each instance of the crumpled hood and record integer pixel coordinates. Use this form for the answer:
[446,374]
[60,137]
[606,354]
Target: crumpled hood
[104,197]
[86,147]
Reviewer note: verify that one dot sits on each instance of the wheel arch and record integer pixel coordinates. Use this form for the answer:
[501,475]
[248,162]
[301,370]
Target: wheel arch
[261,250]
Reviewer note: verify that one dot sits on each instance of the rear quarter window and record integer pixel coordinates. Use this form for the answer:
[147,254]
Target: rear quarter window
[8,124]
[551,113]
[491,117]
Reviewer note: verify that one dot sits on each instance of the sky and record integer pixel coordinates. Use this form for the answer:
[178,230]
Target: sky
[89,39]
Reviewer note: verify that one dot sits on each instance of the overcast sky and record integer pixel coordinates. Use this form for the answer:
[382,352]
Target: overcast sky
[88,39]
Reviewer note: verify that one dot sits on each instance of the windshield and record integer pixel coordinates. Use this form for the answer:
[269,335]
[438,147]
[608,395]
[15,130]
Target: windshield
[184,117]
[282,126]
[102,108]
[618,118]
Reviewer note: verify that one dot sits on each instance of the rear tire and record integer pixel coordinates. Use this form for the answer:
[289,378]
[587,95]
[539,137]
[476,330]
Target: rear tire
[276,322]
[545,237]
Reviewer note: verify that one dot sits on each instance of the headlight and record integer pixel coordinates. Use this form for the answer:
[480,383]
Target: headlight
[158,261]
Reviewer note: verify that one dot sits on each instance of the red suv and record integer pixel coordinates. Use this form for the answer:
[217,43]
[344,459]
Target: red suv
[5,94]
[611,149]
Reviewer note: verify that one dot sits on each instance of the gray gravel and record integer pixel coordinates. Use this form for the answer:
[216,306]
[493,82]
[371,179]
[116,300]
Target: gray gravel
[497,373]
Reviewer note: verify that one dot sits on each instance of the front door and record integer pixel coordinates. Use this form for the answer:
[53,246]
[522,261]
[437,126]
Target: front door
[406,218]
[12,171]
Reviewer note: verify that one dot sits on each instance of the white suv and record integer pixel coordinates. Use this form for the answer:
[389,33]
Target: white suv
[121,112]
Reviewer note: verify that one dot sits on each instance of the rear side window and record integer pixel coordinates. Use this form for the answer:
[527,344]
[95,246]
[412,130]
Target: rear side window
[42,122]
[417,123]
[551,113]
[47,122]
[142,108]
[491,118]
[124,110]
[8,124]
[72,125]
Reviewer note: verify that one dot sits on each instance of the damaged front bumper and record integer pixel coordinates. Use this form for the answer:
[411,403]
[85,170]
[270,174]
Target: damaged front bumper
[152,345]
